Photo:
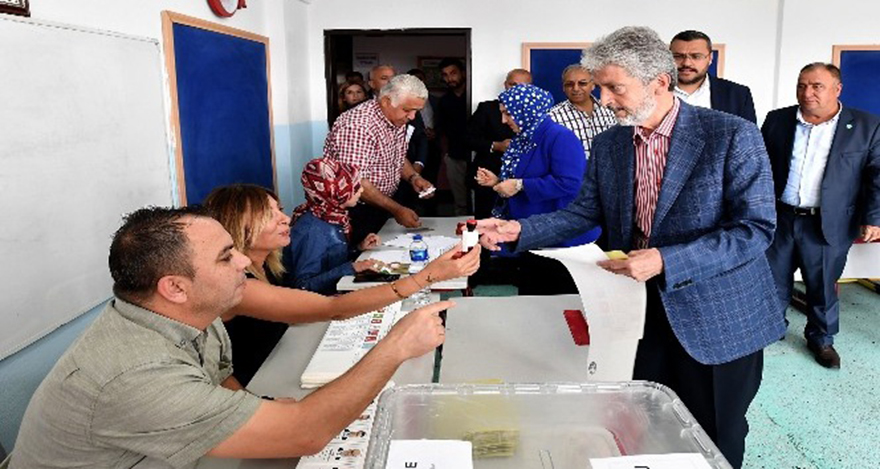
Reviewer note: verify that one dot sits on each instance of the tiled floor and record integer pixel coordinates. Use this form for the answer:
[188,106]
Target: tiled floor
[805,416]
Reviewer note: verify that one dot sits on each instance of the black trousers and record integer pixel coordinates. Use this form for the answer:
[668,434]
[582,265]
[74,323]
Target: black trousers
[365,219]
[541,276]
[718,396]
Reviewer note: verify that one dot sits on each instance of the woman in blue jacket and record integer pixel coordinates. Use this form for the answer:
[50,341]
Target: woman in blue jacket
[541,172]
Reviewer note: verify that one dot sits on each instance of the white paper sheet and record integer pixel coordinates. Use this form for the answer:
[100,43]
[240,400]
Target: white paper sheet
[614,306]
[429,454]
[653,461]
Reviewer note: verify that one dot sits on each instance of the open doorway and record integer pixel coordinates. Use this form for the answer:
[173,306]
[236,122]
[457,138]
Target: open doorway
[347,51]
[353,50]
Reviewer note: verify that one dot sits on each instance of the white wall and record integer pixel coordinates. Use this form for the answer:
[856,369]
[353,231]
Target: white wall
[811,27]
[747,27]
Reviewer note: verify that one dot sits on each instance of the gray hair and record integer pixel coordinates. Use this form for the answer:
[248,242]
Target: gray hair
[402,86]
[638,50]
[572,68]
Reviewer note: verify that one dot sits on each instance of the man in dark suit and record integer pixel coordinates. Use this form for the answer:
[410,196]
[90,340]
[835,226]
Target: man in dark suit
[488,138]
[688,192]
[692,51]
[826,169]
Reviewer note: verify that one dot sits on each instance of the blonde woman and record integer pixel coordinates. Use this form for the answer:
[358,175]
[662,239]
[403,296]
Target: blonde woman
[260,229]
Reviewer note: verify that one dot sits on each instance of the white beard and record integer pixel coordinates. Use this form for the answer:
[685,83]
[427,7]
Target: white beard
[641,113]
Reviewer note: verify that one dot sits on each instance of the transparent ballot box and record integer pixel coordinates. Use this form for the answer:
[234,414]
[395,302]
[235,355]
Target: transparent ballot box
[541,426]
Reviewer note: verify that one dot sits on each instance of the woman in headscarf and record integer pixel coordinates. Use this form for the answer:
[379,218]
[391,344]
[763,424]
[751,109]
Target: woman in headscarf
[319,253]
[541,172]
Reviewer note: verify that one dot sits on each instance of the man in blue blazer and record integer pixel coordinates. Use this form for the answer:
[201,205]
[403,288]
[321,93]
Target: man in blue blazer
[688,193]
[826,169]
[692,51]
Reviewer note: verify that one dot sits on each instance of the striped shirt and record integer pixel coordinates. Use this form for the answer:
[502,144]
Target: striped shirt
[364,137]
[584,125]
[652,146]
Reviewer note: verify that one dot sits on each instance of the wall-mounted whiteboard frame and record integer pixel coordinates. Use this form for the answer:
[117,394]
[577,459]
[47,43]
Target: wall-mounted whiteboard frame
[84,137]
[221,105]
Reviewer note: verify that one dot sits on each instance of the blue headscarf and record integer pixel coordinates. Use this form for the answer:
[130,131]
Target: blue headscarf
[528,106]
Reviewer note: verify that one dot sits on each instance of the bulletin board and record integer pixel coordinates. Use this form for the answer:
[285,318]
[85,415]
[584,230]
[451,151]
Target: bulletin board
[860,73]
[221,112]
[547,60]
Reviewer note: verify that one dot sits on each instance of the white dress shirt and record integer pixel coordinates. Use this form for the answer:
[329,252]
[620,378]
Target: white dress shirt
[702,97]
[809,154]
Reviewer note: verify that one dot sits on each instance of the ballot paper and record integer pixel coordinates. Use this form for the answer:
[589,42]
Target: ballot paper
[614,306]
[348,450]
[653,461]
[429,454]
[346,342]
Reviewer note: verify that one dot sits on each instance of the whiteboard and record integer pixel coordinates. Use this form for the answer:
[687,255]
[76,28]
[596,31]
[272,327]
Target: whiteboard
[82,126]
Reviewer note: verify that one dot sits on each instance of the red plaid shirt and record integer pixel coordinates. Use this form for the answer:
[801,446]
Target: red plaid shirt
[365,138]
[652,146]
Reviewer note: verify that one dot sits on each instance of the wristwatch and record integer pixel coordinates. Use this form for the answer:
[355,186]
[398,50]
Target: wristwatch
[518,185]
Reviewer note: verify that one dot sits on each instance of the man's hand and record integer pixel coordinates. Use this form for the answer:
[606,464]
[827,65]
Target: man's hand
[408,218]
[418,167]
[640,265]
[421,184]
[419,332]
[372,240]
[485,177]
[494,232]
[506,188]
[870,233]
[501,146]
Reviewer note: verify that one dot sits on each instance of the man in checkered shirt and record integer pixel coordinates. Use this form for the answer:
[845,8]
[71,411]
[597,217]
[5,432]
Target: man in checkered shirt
[372,137]
[581,112]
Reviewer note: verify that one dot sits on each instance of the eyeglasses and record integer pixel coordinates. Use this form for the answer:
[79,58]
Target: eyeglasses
[693,57]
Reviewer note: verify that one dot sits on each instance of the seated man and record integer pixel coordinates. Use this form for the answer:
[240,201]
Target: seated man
[150,382]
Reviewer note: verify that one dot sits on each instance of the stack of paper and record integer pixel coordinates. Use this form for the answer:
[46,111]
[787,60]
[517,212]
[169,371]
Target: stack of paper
[435,243]
[346,342]
[349,448]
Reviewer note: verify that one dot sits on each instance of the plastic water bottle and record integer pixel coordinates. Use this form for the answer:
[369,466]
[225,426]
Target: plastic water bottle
[418,254]
[418,258]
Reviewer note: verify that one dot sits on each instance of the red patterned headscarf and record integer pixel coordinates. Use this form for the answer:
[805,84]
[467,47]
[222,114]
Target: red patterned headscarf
[328,184]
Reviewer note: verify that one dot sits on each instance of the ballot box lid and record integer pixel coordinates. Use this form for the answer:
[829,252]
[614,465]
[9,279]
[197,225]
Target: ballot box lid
[529,426]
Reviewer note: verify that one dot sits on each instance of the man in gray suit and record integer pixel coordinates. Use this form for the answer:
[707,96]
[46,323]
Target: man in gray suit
[695,224]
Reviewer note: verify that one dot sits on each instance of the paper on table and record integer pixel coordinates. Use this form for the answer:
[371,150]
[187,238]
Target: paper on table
[436,454]
[434,242]
[614,304]
[654,461]
[398,255]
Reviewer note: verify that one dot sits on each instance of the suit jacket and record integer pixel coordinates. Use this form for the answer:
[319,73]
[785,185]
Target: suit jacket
[552,173]
[417,149]
[732,98]
[851,183]
[715,218]
[485,127]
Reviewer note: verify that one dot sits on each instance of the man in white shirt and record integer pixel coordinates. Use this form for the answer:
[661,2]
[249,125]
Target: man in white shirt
[826,171]
[692,52]
[581,112]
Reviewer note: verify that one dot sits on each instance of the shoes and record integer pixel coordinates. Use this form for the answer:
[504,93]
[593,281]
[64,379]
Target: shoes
[825,355]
